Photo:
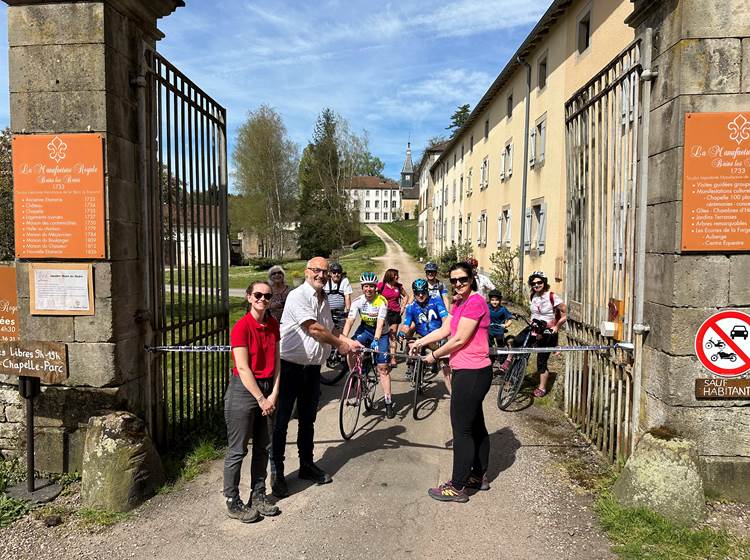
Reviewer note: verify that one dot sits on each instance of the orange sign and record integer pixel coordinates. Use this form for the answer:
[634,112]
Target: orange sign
[716,182]
[58,184]
[9,327]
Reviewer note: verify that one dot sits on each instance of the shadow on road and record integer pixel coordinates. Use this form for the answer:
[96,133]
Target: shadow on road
[503,448]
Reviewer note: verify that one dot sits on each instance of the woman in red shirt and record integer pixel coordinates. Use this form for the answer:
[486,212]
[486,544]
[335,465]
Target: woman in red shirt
[393,292]
[249,401]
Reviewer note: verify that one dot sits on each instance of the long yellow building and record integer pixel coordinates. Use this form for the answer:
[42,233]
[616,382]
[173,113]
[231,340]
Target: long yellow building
[516,134]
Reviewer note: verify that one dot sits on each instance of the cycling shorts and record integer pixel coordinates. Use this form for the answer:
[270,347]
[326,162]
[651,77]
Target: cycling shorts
[365,337]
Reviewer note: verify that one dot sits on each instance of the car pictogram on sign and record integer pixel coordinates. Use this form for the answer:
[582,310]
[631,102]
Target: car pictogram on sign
[722,344]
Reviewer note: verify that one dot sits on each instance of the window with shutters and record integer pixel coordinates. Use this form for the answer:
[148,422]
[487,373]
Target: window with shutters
[367,216]
[542,72]
[468,228]
[393,203]
[504,227]
[461,187]
[535,227]
[506,161]
[484,176]
[483,228]
[538,143]
[468,182]
[367,203]
[584,31]
[385,215]
[377,216]
[460,225]
[377,203]
[453,229]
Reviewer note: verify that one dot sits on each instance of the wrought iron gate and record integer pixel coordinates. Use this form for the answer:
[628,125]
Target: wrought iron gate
[186,139]
[602,142]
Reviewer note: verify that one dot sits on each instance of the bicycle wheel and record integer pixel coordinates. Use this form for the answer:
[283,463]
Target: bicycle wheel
[333,375]
[351,401]
[371,385]
[416,392]
[511,382]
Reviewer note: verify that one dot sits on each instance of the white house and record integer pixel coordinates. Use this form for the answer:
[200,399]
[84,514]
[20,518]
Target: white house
[378,200]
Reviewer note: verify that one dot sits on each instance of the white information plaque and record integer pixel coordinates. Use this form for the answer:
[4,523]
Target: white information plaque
[61,289]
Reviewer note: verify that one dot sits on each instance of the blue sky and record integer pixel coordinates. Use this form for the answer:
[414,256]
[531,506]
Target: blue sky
[396,70]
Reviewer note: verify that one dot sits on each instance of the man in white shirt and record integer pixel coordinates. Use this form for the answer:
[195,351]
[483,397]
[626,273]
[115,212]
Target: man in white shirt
[484,284]
[306,340]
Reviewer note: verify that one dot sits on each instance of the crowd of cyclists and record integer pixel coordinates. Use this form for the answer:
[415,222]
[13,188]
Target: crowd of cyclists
[462,330]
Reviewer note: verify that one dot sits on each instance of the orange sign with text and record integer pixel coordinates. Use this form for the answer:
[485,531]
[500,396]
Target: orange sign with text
[58,184]
[9,327]
[716,182]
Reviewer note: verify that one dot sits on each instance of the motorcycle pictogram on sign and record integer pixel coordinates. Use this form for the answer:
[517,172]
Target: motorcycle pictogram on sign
[722,343]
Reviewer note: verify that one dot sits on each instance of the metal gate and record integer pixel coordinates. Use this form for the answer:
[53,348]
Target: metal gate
[187,201]
[603,121]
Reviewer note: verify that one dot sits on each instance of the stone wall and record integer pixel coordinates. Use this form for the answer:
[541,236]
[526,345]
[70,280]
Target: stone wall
[701,48]
[71,70]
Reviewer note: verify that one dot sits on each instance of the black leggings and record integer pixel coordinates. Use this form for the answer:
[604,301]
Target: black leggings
[471,442]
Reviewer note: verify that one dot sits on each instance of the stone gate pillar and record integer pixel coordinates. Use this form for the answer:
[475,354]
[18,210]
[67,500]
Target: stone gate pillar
[72,69]
[701,49]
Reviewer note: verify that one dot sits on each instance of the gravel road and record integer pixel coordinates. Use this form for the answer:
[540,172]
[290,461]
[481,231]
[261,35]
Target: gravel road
[377,506]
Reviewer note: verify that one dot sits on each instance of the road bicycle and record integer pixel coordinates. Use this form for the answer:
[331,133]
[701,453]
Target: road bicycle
[336,363]
[359,388]
[512,379]
[418,373]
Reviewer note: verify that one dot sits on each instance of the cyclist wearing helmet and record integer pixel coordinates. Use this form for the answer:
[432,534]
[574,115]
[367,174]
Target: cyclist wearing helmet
[484,284]
[425,314]
[338,290]
[546,306]
[372,309]
[436,288]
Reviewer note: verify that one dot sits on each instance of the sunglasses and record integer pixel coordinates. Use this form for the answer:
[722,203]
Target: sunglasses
[461,280]
[420,293]
[260,295]
[537,283]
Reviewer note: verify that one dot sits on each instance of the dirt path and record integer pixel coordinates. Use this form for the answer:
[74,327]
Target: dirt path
[377,506]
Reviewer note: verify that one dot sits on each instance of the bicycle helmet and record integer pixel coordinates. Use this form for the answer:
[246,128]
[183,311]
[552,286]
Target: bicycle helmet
[419,285]
[336,267]
[368,278]
[538,274]
[431,267]
[473,262]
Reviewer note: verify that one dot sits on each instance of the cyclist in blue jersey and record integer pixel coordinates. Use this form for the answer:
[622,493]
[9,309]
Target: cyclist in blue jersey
[372,308]
[424,315]
[436,288]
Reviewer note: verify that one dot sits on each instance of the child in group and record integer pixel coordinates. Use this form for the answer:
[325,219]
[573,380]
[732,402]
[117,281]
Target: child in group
[499,320]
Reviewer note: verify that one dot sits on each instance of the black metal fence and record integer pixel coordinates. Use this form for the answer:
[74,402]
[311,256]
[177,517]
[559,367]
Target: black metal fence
[186,134]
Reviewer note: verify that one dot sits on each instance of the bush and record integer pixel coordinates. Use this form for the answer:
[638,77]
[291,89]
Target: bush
[421,254]
[453,254]
[262,263]
[505,276]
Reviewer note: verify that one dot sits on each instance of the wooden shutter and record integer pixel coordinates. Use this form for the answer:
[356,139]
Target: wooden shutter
[527,231]
[508,228]
[542,229]
[532,147]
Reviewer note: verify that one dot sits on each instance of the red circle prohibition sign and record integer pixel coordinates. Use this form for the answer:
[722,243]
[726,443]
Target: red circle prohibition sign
[703,356]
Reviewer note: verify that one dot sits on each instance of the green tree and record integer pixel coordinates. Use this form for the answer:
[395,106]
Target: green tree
[7,241]
[369,164]
[458,118]
[505,276]
[327,216]
[265,176]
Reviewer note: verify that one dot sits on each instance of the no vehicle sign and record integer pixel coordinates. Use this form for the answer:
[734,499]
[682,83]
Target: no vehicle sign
[722,344]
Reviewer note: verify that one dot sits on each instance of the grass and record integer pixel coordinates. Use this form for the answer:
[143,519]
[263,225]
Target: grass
[94,518]
[639,533]
[404,233]
[354,261]
[11,472]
